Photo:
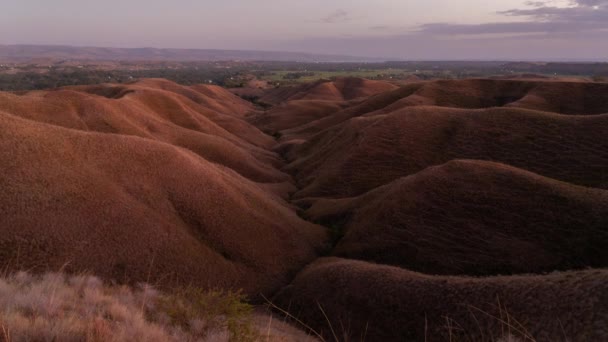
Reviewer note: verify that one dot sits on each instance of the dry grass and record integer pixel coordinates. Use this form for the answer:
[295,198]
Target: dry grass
[511,330]
[371,302]
[111,217]
[56,307]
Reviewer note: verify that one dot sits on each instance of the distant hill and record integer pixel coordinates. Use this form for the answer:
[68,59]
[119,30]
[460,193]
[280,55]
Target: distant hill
[578,68]
[24,53]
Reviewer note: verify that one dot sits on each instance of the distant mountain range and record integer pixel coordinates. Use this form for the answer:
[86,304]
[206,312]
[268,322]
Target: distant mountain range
[24,53]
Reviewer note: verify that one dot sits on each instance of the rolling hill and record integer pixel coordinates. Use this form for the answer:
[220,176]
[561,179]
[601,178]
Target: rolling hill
[433,210]
[151,193]
[473,218]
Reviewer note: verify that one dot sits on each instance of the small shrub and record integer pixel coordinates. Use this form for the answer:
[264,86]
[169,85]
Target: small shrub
[202,312]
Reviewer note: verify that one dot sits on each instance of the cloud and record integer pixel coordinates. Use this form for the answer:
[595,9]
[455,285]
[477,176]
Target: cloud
[540,30]
[337,16]
[534,47]
[579,11]
[514,28]
[380,28]
[542,17]
[590,2]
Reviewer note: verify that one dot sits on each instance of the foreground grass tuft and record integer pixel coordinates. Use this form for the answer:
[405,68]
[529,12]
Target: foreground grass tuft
[199,312]
[55,307]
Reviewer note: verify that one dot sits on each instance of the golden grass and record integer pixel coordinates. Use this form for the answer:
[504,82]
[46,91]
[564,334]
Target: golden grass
[56,307]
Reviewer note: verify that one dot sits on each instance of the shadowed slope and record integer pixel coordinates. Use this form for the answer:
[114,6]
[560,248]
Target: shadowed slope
[134,209]
[353,87]
[567,98]
[294,113]
[473,217]
[338,89]
[383,303]
[420,209]
[370,105]
[576,98]
[367,152]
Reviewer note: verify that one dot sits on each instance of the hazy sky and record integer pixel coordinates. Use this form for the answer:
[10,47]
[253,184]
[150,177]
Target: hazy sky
[407,29]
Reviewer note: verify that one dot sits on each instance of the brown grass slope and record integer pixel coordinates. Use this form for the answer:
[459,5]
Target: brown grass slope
[575,98]
[355,108]
[338,89]
[383,303]
[299,120]
[213,97]
[353,87]
[163,111]
[294,113]
[134,209]
[366,152]
[475,218]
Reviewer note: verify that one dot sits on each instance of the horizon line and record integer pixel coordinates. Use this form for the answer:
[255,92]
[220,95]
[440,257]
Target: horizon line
[364,59]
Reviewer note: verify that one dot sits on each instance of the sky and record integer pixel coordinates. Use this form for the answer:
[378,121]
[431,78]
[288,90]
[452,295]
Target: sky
[396,29]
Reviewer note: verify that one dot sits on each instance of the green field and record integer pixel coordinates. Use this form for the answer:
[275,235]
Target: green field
[279,76]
